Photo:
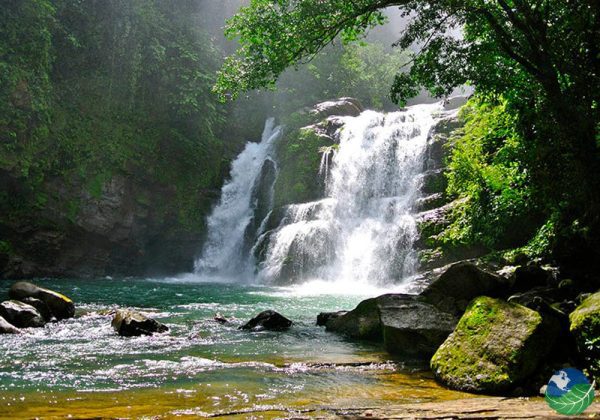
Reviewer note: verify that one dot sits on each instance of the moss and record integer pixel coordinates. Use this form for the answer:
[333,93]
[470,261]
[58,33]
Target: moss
[494,347]
[585,327]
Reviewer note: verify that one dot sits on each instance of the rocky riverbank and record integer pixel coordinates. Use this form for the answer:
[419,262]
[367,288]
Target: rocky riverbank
[498,332]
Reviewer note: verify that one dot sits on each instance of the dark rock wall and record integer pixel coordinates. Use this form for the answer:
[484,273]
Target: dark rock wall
[127,229]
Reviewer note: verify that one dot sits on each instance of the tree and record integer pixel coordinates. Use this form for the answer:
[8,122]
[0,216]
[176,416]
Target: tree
[541,56]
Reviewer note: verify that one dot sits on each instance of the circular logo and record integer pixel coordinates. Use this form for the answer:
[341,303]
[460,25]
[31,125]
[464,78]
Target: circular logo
[569,392]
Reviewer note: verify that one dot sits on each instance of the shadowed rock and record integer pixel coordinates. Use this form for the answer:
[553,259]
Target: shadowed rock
[268,320]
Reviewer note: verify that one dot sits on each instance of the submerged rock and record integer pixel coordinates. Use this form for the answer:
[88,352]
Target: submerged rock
[461,283]
[7,328]
[129,323]
[268,320]
[495,347]
[220,319]
[585,327]
[324,317]
[21,315]
[60,306]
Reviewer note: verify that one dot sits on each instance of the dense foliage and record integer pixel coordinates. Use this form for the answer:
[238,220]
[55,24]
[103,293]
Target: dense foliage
[488,174]
[539,61]
[102,87]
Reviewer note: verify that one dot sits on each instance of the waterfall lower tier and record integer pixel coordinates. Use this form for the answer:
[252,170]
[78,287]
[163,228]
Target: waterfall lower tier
[246,200]
[362,232]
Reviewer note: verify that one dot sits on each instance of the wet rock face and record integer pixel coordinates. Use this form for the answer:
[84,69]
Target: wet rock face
[342,106]
[130,324]
[118,232]
[494,348]
[268,320]
[585,327]
[21,315]
[59,306]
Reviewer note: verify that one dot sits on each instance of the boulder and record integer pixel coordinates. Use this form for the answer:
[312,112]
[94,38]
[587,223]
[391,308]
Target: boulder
[325,317]
[413,328]
[7,328]
[495,347]
[362,322]
[340,107]
[268,320]
[406,324]
[21,315]
[585,327]
[461,283]
[129,323]
[60,306]
[40,306]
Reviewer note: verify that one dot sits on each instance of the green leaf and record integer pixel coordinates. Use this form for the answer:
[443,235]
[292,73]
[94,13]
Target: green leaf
[579,397]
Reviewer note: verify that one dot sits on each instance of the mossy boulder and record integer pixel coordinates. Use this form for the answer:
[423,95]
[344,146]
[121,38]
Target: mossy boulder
[495,347]
[585,327]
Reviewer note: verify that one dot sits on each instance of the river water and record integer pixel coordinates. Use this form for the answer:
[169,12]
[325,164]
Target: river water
[80,367]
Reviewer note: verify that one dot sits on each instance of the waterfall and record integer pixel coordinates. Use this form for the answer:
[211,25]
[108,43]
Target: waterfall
[240,215]
[363,231]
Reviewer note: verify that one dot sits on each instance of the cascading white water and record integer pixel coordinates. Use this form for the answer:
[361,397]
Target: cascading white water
[224,252]
[363,232]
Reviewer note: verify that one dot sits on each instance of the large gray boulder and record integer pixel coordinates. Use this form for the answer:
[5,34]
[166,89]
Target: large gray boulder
[414,328]
[130,323]
[461,283]
[406,324]
[495,347]
[60,306]
[7,328]
[21,315]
